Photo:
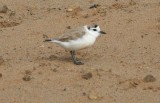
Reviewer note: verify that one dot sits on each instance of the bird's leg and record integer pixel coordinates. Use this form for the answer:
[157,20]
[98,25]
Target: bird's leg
[74,59]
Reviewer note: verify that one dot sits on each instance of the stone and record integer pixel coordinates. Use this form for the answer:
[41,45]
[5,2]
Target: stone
[27,78]
[94,96]
[3,8]
[149,78]
[87,76]
[1,60]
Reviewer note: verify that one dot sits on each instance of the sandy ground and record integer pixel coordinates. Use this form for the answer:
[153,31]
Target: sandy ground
[122,67]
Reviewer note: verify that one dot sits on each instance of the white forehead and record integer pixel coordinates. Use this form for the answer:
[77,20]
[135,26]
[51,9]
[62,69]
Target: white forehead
[98,28]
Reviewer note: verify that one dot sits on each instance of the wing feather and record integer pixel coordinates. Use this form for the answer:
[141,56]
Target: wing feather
[72,35]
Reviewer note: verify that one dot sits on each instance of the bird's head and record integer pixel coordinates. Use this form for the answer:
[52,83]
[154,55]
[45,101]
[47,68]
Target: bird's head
[95,29]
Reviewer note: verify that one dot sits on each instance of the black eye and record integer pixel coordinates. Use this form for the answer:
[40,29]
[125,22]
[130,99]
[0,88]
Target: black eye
[95,26]
[94,29]
[88,27]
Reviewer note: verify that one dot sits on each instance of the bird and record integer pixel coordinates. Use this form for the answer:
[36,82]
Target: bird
[77,39]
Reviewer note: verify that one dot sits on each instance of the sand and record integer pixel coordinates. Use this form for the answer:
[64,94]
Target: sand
[122,67]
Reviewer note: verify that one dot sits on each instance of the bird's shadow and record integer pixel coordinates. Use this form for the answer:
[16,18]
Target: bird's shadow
[58,58]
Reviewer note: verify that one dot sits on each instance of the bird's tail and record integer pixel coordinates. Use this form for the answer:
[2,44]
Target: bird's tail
[52,40]
[48,40]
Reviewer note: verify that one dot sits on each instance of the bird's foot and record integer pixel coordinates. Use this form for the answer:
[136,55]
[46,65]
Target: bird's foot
[77,62]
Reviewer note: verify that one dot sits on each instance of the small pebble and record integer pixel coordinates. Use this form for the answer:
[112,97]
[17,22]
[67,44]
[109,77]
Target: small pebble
[87,76]
[149,78]
[3,8]
[27,78]
[0,75]
[28,72]
[64,89]
[1,60]
[142,36]
[69,10]
[84,94]
[54,70]
[94,6]
[68,27]
[94,96]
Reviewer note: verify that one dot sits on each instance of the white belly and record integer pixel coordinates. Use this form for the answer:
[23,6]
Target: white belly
[84,42]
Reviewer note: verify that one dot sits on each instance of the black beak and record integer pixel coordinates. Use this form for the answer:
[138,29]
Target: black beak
[102,32]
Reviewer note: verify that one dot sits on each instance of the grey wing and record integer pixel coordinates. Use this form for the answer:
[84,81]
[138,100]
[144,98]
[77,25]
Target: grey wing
[73,34]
